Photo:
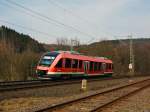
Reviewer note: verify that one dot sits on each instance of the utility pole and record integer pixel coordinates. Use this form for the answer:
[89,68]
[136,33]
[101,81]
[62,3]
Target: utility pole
[131,65]
[72,44]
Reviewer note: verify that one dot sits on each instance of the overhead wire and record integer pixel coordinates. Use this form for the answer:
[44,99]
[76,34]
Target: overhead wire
[69,11]
[56,4]
[27,28]
[25,12]
[44,18]
[48,18]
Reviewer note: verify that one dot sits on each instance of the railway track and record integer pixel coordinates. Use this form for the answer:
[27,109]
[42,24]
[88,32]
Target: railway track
[19,85]
[18,82]
[12,86]
[97,101]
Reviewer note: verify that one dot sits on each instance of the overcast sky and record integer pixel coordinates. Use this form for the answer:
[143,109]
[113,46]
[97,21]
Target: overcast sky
[88,20]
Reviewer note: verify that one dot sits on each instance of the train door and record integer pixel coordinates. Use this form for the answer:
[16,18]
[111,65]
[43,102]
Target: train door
[103,67]
[86,66]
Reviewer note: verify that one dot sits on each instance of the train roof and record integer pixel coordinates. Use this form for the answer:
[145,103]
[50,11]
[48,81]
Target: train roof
[77,55]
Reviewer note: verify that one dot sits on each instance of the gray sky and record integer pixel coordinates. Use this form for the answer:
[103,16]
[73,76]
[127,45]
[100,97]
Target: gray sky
[88,20]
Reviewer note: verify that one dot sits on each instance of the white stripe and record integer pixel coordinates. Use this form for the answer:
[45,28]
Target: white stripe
[75,73]
[65,73]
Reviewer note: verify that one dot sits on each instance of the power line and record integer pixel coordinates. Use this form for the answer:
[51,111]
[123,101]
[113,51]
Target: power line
[39,17]
[27,13]
[55,3]
[48,18]
[24,27]
[70,12]
[120,40]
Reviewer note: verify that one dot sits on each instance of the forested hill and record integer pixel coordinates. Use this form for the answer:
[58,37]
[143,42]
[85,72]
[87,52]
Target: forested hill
[19,41]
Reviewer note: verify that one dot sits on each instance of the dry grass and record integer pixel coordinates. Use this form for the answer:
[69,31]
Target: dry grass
[22,104]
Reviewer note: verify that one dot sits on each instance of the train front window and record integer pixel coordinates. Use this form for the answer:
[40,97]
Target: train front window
[46,60]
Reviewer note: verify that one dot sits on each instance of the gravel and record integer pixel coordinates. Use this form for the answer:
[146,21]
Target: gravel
[139,102]
[88,104]
[41,97]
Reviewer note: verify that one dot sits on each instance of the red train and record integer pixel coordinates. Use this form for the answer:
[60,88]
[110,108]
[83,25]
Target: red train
[66,64]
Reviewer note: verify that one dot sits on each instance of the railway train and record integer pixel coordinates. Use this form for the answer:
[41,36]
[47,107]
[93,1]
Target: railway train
[67,64]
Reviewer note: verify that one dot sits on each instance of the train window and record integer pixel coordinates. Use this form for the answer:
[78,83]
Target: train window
[110,66]
[68,63]
[107,66]
[59,64]
[99,66]
[80,63]
[95,66]
[91,66]
[74,63]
